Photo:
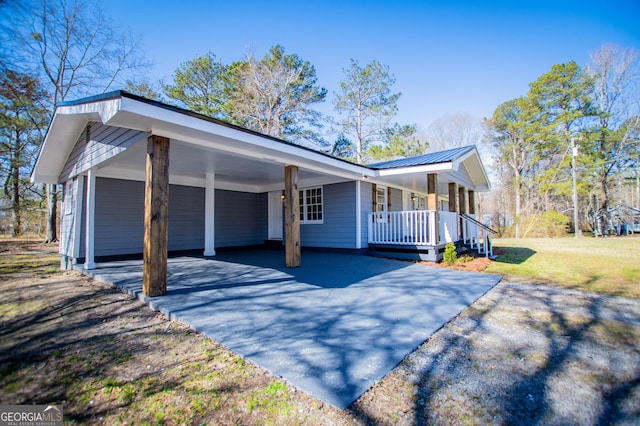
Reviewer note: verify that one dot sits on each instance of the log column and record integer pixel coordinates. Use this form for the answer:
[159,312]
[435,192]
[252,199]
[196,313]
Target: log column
[432,204]
[462,201]
[454,206]
[156,217]
[472,201]
[292,216]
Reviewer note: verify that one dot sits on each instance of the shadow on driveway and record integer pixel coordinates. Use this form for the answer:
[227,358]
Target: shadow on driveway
[332,327]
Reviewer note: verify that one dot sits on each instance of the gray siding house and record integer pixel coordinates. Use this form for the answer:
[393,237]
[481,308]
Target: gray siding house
[227,187]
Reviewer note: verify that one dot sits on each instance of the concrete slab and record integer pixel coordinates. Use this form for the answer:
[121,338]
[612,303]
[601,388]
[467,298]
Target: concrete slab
[332,327]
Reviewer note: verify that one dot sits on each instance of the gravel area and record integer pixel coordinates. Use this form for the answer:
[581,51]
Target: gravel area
[523,354]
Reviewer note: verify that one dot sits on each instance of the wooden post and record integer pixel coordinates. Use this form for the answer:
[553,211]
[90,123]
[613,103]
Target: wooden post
[462,202]
[472,202]
[374,197]
[292,217]
[156,217]
[432,204]
[453,197]
[462,199]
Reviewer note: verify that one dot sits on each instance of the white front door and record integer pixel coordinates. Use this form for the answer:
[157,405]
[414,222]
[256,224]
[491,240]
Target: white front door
[275,215]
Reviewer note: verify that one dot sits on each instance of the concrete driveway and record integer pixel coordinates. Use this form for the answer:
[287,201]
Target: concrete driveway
[332,327]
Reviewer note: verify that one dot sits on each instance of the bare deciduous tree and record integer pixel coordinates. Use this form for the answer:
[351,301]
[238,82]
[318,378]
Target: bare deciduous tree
[453,131]
[275,95]
[616,76]
[75,50]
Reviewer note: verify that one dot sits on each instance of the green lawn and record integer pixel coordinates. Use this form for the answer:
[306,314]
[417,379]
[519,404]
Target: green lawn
[604,265]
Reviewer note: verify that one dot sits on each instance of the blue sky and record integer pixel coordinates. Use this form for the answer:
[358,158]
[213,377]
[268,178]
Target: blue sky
[447,56]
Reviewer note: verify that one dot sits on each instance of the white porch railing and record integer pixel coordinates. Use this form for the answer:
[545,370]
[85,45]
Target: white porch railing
[403,227]
[477,235]
[448,227]
[417,227]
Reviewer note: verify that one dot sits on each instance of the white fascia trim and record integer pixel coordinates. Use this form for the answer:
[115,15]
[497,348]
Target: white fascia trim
[458,162]
[161,121]
[305,183]
[431,168]
[42,178]
[106,109]
[128,174]
[66,126]
[463,157]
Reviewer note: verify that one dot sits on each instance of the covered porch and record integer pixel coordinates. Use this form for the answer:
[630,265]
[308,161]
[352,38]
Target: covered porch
[142,177]
[440,209]
[423,234]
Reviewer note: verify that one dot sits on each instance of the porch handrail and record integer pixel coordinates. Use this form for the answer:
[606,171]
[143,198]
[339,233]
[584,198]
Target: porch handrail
[477,234]
[418,227]
[477,223]
[408,227]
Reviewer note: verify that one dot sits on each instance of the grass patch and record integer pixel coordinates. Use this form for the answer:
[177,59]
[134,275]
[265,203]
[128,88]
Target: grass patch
[274,400]
[601,265]
[15,263]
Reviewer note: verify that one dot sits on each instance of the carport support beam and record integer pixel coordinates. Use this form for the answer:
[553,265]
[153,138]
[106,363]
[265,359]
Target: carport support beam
[292,216]
[156,217]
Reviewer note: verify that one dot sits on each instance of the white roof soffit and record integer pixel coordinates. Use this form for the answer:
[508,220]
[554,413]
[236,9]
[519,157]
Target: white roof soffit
[121,111]
[63,132]
[164,122]
[475,169]
[430,168]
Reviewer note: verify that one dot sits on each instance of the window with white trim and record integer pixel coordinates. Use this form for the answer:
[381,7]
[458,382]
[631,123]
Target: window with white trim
[381,199]
[419,202]
[311,206]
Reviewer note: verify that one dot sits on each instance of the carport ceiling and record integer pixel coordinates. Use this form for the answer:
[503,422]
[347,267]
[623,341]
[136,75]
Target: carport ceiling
[188,165]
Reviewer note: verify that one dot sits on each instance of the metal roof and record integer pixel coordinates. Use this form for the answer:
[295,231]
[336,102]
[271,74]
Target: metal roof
[424,160]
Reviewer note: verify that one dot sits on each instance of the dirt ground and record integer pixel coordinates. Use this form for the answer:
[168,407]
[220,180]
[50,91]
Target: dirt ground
[522,354]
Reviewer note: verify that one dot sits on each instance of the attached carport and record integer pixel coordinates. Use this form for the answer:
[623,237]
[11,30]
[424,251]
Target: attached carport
[332,327]
[159,144]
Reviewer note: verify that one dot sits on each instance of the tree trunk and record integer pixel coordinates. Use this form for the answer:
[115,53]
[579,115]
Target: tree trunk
[52,214]
[15,201]
[518,207]
[638,190]
[604,206]
[15,186]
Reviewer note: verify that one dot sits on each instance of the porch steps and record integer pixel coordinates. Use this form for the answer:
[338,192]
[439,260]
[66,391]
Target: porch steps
[478,251]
